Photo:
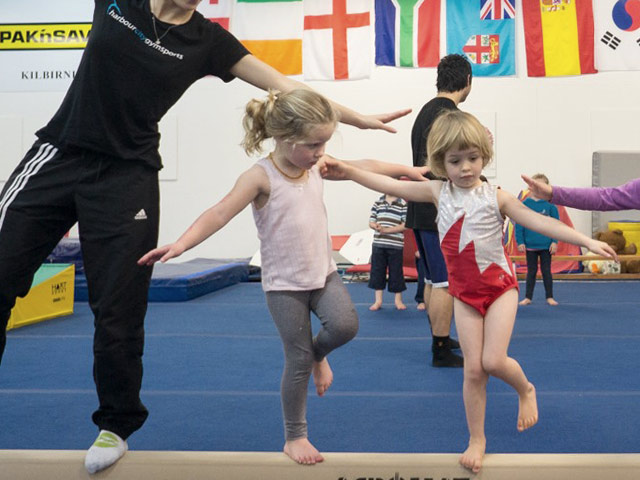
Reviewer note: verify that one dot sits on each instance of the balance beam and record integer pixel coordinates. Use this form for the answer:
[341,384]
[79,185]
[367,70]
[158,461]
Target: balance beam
[68,465]
[578,258]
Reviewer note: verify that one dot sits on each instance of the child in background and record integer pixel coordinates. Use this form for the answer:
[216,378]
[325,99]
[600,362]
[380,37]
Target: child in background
[388,215]
[537,246]
[470,220]
[285,190]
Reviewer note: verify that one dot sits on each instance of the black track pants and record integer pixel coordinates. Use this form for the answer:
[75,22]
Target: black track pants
[116,205]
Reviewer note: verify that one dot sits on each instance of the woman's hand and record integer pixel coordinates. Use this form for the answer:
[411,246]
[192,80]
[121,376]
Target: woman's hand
[418,173]
[379,121]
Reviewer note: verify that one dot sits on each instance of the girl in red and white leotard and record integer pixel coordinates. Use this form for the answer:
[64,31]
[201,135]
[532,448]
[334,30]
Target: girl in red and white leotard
[470,219]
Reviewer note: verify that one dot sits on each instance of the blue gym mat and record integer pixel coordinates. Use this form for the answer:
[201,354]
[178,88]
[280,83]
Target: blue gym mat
[170,282]
[213,366]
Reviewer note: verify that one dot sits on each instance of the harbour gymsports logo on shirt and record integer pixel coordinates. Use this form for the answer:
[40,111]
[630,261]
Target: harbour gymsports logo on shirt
[113,10]
[44,36]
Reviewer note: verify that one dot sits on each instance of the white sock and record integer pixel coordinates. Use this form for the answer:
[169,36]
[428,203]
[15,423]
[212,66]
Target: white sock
[105,451]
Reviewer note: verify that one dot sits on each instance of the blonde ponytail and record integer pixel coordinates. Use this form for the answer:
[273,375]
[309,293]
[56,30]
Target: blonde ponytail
[285,116]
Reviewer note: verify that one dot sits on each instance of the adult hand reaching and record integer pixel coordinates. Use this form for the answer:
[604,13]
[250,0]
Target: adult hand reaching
[379,121]
[538,188]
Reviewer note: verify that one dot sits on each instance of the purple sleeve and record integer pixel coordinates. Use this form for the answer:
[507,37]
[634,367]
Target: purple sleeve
[624,197]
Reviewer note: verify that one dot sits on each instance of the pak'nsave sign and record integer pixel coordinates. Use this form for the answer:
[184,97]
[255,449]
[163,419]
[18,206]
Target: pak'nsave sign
[44,36]
[42,42]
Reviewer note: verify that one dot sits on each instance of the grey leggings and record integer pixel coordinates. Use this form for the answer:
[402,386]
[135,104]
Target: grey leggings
[291,312]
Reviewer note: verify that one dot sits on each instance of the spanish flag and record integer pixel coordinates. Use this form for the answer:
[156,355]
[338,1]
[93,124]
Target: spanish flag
[558,37]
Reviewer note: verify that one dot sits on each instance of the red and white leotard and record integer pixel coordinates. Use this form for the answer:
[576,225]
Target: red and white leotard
[470,227]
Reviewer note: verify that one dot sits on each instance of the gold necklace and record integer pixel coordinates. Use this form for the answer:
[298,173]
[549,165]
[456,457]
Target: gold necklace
[158,38]
[290,177]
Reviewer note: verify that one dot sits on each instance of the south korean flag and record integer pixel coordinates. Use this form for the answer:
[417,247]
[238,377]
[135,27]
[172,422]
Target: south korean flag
[617,34]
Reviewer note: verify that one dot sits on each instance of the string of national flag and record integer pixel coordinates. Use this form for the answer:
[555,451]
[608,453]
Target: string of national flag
[345,39]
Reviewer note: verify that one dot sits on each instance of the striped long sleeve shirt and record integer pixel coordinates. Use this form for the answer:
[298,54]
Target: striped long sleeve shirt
[388,214]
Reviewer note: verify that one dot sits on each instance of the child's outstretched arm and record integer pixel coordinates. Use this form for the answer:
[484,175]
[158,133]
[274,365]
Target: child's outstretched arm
[548,226]
[248,187]
[389,169]
[418,191]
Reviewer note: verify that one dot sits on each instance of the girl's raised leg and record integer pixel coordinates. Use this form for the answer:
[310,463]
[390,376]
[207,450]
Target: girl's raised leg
[498,328]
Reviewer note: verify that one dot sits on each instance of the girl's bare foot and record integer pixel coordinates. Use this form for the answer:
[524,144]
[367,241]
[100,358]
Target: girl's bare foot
[472,457]
[400,306]
[300,450]
[322,376]
[526,301]
[552,302]
[527,409]
[375,306]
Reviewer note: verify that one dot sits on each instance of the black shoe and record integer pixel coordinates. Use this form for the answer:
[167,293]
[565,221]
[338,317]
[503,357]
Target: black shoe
[444,357]
[452,343]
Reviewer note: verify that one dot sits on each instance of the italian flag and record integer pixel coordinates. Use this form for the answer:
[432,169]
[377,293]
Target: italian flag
[272,31]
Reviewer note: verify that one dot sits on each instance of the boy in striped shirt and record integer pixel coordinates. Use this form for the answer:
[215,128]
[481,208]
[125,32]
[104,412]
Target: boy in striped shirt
[387,219]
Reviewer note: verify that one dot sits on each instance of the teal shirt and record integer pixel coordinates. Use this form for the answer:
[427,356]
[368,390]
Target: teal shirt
[534,240]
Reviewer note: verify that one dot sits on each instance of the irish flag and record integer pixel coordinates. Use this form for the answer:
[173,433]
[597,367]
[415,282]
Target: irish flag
[408,33]
[558,37]
[272,31]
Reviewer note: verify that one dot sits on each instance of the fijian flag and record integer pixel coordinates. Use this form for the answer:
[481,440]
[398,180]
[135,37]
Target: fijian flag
[488,44]
[483,49]
[497,9]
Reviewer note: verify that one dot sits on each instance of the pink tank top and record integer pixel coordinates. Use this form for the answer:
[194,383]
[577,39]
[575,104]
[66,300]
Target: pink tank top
[295,247]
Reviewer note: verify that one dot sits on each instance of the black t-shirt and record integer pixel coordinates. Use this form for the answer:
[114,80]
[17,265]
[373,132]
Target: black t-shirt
[422,216]
[126,82]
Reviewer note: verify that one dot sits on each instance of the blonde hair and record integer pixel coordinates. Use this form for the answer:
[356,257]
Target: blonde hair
[542,177]
[284,116]
[454,129]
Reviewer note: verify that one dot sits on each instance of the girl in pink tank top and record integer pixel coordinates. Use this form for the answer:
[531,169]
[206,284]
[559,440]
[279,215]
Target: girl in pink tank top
[299,275]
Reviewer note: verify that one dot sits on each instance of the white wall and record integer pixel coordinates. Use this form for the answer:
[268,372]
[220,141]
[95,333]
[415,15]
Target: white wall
[549,125]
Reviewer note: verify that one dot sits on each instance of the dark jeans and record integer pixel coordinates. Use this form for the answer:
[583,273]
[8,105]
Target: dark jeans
[381,259]
[532,270]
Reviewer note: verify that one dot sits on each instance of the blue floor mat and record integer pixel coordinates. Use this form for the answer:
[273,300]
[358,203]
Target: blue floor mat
[177,282]
[213,365]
